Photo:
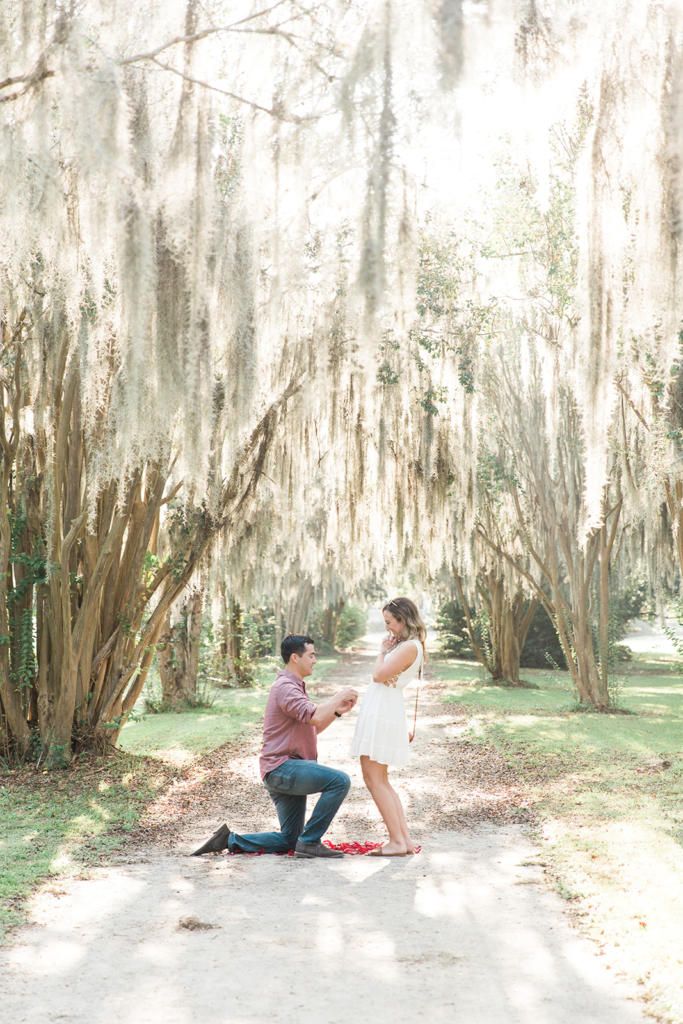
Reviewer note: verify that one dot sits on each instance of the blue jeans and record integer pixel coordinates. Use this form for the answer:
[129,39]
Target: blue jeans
[289,785]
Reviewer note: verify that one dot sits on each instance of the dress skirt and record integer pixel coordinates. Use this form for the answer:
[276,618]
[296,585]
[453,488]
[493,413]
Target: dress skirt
[381,729]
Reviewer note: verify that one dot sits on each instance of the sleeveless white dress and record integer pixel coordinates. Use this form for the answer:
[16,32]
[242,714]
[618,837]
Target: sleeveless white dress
[381,727]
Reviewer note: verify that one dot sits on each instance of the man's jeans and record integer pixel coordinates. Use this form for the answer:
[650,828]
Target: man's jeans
[289,785]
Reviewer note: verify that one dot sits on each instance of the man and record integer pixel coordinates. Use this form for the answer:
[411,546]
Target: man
[289,763]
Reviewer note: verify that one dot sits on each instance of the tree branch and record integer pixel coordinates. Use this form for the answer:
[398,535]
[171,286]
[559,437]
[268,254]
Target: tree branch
[194,37]
[272,111]
[33,78]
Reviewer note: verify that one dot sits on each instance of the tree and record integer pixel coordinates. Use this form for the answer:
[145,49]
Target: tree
[164,268]
[179,650]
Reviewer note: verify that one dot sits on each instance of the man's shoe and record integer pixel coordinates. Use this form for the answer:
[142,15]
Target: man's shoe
[217,842]
[315,850]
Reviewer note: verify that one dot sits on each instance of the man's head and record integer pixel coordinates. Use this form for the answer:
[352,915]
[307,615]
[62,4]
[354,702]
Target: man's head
[298,654]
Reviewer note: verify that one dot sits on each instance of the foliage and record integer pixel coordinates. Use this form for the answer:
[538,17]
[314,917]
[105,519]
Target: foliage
[259,623]
[451,627]
[351,625]
[542,649]
[154,257]
[248,322]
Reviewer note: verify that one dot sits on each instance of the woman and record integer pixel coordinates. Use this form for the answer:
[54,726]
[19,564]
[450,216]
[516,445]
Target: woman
[381,737]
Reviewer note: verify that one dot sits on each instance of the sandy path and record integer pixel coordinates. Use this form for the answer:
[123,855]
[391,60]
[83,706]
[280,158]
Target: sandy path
[465,931]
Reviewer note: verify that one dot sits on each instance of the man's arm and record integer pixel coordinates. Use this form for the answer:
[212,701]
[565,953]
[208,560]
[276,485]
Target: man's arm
[341,702]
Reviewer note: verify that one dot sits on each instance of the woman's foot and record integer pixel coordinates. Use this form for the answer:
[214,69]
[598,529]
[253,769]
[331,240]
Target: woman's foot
[389,849]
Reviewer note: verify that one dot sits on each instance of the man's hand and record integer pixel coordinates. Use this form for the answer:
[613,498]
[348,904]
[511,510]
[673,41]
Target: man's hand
[347,699]
[341,702]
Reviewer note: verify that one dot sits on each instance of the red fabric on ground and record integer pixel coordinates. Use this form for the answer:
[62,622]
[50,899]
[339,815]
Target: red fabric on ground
[357,848]
[352,849]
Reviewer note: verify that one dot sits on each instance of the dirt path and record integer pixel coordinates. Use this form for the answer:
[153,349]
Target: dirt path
[466,931]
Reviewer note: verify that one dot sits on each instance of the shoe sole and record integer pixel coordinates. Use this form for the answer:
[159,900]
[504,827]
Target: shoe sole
[318,856]
[207,847]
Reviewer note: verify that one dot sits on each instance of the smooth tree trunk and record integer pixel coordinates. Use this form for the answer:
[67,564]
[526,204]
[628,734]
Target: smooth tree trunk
[17,703]
[237,661]
[564,566]
[508,622]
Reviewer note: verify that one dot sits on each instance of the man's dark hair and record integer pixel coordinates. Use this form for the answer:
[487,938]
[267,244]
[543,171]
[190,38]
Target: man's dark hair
[295,643]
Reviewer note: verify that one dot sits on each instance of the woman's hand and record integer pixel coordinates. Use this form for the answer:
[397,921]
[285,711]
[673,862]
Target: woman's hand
[390,682]
[388,644]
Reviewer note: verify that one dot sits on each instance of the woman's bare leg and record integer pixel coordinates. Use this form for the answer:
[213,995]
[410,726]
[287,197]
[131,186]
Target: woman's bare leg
[376,778]
[410,845]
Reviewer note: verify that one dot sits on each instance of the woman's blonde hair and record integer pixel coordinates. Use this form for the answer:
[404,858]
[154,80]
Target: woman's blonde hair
[406,611]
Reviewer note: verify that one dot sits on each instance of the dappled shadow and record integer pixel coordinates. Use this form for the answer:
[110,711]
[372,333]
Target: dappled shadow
[462,931]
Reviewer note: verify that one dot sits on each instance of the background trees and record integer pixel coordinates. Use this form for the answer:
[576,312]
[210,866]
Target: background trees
[254,334]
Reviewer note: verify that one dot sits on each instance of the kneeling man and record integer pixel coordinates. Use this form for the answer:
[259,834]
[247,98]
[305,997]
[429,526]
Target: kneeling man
[289,763]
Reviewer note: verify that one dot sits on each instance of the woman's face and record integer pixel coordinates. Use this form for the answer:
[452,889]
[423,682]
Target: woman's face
[394,625]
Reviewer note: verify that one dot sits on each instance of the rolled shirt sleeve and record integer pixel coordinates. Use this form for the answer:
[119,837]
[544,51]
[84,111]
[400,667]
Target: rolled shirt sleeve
[295,704]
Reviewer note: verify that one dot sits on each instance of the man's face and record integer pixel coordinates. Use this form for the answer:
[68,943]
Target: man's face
[305,662]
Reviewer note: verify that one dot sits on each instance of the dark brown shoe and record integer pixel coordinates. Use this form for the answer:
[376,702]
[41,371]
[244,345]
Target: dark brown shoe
[315,850]
[216,844]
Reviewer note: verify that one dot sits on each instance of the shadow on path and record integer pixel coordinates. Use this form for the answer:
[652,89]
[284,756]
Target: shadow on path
[466,931]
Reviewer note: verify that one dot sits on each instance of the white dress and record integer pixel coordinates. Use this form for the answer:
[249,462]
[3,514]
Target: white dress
[381,727]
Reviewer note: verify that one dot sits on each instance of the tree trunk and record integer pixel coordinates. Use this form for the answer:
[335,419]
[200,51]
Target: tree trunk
[330,621]
[299,608]
[179,649]
[278,628]
[508,624]
[568,572]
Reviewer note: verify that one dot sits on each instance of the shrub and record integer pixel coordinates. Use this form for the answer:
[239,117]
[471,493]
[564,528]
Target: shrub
[542,647]
[451,627]
[352,624]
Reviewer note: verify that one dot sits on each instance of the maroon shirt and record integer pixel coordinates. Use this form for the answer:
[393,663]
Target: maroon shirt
[287,731]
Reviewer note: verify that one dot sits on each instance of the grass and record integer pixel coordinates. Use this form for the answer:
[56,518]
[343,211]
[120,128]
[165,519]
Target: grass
[53,823]
[607,793]
[50,822]
[652,701]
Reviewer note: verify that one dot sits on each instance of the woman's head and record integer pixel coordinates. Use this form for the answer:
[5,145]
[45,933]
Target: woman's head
[402,618]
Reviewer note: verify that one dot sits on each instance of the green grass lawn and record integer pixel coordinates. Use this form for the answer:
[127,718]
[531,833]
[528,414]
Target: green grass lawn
[649,709]
[53,821]
[607,796]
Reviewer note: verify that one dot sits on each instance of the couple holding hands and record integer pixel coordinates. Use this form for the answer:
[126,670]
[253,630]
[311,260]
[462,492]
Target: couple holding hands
[288,761]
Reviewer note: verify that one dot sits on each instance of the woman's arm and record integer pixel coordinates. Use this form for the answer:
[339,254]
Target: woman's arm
[389,666]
